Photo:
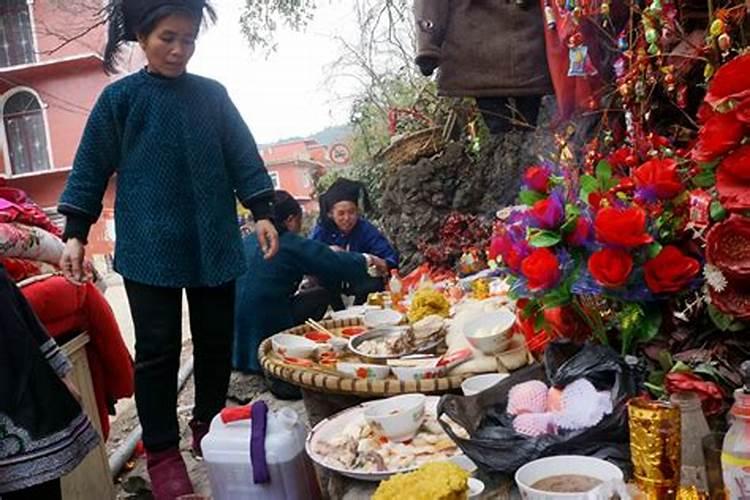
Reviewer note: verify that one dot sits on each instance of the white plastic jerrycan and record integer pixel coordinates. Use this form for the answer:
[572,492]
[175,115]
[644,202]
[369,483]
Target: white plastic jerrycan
[226,451]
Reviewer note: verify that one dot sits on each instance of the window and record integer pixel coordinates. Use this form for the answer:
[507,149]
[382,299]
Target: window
[275,179]
[25,133]
[16,37]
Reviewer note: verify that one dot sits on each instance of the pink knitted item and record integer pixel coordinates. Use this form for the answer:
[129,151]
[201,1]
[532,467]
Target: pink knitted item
[583,406]
[529,397]
[554,400]
[535,424]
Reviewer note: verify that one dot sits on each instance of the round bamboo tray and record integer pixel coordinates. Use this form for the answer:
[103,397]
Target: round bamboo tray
[330,381]
[410,148]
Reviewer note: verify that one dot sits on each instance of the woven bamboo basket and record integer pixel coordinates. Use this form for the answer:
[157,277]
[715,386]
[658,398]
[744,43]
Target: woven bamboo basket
[330,381]
[410,148]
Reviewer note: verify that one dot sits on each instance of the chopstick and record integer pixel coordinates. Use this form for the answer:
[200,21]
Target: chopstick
[317,326]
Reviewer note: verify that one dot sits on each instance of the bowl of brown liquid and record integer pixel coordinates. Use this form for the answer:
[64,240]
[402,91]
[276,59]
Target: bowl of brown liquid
[566,477]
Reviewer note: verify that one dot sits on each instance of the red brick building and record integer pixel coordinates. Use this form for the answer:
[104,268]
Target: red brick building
[293,165]
[48,85]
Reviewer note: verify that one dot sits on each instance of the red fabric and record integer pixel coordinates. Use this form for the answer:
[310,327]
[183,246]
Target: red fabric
[16,206]
[572,93]
[21,269]
[64,307]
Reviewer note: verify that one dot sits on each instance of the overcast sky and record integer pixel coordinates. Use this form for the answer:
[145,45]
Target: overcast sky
[284,94]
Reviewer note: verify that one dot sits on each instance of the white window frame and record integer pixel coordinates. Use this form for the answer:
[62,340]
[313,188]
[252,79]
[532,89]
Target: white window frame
[275,179]
[4,137]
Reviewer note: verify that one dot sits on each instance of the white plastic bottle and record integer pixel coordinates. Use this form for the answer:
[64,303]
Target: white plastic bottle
[226,451]
[735,454]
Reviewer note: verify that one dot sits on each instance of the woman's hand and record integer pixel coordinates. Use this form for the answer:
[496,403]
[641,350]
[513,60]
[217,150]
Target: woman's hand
[380,266]
[71,261]
[267,237]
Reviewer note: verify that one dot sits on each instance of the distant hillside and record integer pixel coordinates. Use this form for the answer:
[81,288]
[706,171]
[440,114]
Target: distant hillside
[326,137]
[332,135]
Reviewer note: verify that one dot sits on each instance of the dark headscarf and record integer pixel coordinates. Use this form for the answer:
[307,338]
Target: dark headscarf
[344,190]
[284,207]
[125,17]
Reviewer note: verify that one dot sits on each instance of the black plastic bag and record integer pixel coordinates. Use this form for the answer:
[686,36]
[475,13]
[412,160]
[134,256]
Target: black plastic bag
[493,444]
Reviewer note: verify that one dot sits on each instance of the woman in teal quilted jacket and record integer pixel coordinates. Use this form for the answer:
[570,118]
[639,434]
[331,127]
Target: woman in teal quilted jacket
[181,155]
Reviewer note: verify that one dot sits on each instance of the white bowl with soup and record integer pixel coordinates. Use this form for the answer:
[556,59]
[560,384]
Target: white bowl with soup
[566,477]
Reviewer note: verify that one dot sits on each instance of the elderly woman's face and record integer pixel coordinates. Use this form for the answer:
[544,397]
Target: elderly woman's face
[345,215]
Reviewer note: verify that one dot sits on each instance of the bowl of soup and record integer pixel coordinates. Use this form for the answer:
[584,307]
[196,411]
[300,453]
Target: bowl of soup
[567,477]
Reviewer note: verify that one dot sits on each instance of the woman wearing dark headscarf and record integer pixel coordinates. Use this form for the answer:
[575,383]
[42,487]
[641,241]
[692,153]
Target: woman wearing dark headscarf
[265,295]
[182,155]
[343,228]
[44,434]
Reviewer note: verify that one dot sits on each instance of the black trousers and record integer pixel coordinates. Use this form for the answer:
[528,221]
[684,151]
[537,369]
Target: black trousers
[157,317]
[502,114]
[45,491]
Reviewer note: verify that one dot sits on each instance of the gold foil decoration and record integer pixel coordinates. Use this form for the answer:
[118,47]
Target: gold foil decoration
[655,447]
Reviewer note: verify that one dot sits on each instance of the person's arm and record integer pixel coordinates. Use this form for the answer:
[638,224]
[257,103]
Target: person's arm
[96,160]
[317,233]
[377,244]
[431,18]
[318,259]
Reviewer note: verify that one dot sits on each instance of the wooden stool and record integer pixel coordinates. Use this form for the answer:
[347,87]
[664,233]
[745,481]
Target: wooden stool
[92,479]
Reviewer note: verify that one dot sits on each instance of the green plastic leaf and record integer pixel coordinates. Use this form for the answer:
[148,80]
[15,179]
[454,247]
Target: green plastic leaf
[721,320]
[680,367]
[718,212]
[650,325]
[556,298]
[656,391]
[589,183]
[539,322]
[705,178]
[569,225]
[529,197]
[603,171]
[544,239]
[654,249]
[665,360]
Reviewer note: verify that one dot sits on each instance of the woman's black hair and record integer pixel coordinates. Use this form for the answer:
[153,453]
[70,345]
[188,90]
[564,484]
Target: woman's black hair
[285,206]
[129,18]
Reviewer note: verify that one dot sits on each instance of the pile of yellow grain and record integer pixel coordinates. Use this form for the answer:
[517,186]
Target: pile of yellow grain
[427,302]
[434,481]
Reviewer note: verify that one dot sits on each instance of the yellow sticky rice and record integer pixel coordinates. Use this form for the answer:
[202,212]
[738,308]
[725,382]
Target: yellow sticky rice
[434,481]
[427,302]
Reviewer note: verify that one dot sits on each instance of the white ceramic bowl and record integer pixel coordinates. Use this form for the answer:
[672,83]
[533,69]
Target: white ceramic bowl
[543,468]
[293,346]
[382,317]
[417,373]
[363,370]
[397,418]
[501,321]
[479,383]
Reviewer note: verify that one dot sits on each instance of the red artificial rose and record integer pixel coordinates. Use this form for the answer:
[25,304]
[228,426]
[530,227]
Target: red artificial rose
[661,177]
[733,180]
[611,267]
[728,248]
[622,227]
[705,113]
[718,136]
[541,269]
[580,233]
[710,394]
[548,213]
[743,111]
[734,300]
[536,178]
[731,81]
[670,271]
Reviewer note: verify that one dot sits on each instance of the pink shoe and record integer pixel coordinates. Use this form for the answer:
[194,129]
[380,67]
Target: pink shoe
[199,430]
[169,477]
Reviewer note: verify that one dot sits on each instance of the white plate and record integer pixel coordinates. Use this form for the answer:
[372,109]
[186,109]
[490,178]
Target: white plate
[331,427]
